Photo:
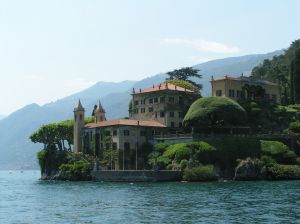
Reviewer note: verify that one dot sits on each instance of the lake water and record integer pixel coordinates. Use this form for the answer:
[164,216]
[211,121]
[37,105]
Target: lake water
[25,199]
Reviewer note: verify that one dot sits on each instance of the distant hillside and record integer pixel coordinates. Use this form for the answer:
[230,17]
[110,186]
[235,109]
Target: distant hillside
[16,151]
[1,117]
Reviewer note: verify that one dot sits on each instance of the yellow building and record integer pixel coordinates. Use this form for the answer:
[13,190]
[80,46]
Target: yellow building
[244,87]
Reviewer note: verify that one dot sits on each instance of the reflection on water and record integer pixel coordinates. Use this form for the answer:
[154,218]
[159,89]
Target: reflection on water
[25,199]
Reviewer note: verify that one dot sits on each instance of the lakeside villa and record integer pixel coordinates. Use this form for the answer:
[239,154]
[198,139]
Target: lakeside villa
[154,112]
[244,87]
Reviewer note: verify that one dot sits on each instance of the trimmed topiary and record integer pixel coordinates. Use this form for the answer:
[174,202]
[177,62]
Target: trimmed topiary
[210,111]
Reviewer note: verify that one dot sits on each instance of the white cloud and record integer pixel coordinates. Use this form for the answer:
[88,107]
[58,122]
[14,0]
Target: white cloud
[203,45]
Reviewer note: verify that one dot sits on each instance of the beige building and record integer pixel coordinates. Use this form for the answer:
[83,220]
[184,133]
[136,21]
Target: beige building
[245,88]
[154,112]
[166,103]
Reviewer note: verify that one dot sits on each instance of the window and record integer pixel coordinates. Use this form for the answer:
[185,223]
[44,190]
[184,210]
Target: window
[155,100]
[238,94]
[115,146]
[143,101]
[172,124]
[171,99]
[126,132]
[142,110]
[107,133]
[115,133]
[273,97]
[219,92]
[171,114]
[231,93]
[180,124]
[151,101]
[155,114]
[162,114]
[180,114]
[150,109]
[80,117]
[136,102]
[181,102]
[135,111]
[162,99]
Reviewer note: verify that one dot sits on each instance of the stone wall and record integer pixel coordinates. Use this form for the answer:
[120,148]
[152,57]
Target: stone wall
[137,175]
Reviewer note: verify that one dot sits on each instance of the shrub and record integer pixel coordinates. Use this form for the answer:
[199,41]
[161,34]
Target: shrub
[278,151]
[209,111]
[201,173]
[50,160]
[155,159]
[229,149]
[183,164]
[202,152]
[178,151]
[295,127]
[283,172]
[80,170]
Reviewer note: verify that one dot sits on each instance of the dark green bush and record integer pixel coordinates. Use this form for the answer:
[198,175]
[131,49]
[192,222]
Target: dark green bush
[78,171]
[202,152]
[210,111]
[50,160]
[229,149]
[283,172]
[278,151]
[295,127]
[201,173]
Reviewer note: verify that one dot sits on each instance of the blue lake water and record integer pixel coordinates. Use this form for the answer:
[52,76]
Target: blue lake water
[25,199]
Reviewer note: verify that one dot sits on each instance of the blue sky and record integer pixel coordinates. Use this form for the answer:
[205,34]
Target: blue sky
[50,49]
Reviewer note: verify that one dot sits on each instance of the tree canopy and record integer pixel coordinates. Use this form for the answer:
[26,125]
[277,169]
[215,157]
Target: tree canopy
[285,70]
[185,74]
[214,111]
[184,84]
[58,136]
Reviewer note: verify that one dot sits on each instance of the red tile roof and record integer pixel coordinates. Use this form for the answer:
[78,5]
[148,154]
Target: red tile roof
[126,122]
[163,87]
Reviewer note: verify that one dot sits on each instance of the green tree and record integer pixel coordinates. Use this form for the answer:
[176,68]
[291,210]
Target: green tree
[214,111]
[185,74]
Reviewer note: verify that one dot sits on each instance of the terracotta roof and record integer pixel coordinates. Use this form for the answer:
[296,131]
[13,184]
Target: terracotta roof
[163,87]
[126,122]
[245,79]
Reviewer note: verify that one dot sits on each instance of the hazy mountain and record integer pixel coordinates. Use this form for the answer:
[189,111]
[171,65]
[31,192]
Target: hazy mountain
[16,150]
[1,117]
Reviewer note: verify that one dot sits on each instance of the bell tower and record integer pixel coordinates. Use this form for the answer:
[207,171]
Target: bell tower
[78,126]
[99,113]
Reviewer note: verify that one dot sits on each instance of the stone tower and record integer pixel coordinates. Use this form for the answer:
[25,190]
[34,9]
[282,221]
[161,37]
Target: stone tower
[99,113]
[78,126]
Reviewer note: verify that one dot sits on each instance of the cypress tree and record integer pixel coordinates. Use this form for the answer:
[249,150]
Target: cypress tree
[296,76]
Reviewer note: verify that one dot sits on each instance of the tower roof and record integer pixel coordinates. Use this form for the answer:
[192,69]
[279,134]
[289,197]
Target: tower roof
[99,108]
[79,106]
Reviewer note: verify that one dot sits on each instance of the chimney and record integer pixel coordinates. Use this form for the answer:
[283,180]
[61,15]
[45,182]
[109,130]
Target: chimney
[138,122]
[175,87]
[133,91]
[153,86]
[140,90]
[159,86]
[166,85]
